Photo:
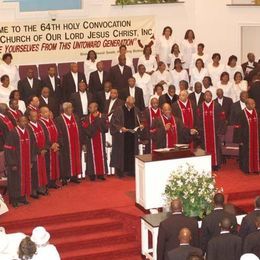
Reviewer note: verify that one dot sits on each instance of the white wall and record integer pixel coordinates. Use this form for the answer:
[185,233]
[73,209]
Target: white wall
[215,24]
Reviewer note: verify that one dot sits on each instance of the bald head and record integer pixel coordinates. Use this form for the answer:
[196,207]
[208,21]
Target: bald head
[130,102]
[250,104]
[185,236]
[225,224]
[167,110]
[176,205]
[45,112]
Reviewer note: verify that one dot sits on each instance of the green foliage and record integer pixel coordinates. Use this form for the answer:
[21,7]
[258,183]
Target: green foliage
[196,190]
[131,2]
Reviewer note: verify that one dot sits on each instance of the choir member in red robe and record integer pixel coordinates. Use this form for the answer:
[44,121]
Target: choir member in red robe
[19,154]
[39,173]
[52,155]
[249,137]
[211,127]
[34,104]
[95,125]
[69,140]
[167,131]
[150,113]
[13,112]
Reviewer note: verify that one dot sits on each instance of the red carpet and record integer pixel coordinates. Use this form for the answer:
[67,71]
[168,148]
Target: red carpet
[99,220]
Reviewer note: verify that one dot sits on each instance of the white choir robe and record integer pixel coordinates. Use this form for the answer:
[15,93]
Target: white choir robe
[204,57]
[173,58]
[12,71]
[5,93]
[145,84]
[150,64]
[238,88]
[157,76]
[46,252]
[187,50]
[215,72]
[177,77]
[228,90]
[197,76]
[231,71]
[21,106]
[163,48]
[89,67]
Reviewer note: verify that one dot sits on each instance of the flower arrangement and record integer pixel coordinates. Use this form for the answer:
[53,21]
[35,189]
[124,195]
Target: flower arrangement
[195,189]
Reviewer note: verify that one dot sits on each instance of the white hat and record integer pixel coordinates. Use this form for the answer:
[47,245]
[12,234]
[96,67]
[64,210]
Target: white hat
[3,242]
[249,257]
[40,236]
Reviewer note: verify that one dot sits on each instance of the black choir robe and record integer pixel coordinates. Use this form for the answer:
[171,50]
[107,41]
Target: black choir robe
[226,107]
[254,93]
[6,126]
[166,99]
[225,246]
[55,91]
[183,251]
[192,98]
[52,104]
[93,134]
[252,243]
[125,145]
[19,181]
[235,113]
[94,83]
[117,103]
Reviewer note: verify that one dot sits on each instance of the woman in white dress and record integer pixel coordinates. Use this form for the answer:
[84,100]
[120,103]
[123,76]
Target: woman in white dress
[239,85]
[90,64]
[5,89]
[178,74]
[175,54]
[7,68]
[198,72]
[232,67]
[215,68]
[188,47]
[163,46]
[148,60]
[226,85]
[207,85]
[162,76]
[199,55]
[15,94]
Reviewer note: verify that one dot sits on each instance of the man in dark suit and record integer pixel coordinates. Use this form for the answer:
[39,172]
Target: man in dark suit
[48,101]
[54,84]
[237,107]
[184,250]
[103,96]
[225,103]
[134,91]
[70,81]
[169,230]
[210,224]
[119,74]
[97,79]
[113,102]
[252,241]
[29,86]
[249,65]
[226,245]
[81,99]
[248,223]
[197,97]
[254,92]
[170,97]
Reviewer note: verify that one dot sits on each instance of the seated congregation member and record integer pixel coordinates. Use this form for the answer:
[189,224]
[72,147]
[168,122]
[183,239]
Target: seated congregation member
[194,256]
[80,100]
[211,224]
[52,155]
[248,223]
[71,80]
[29,86]
[200,54]
[19,155]
[45,250]
[170,97]
[33,105]
[249,65]
[49,101]
[215,68]
[249,139]
[170,228]
[197,97]
[226,245]
[53,82]
[5,89]
[102,97]
[198,73]
[27,249]
[69,138]
[226,85]
[13,112]
[119,74]
[123,126]
[254,91]
[237,108]
[97,79]
[225,103]
[15,94]
[143,81]
[39,173]
[184,249]
[150,114]
[169,130]
[239,85]
[94,128]
[175,54]
[123,52]
[135,92]
[232,67]
[211,126]
[207,85]
[90,64]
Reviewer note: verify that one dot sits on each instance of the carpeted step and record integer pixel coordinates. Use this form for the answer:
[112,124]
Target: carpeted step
[90,240]
[248,194]
[104,252]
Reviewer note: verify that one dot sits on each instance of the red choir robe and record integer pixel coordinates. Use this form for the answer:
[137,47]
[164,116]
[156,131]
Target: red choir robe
[94,130]
[249,151]
[70,149]
[31,108]
[14,115]
[19,152]
[39,173]
[52,158]
[187,115]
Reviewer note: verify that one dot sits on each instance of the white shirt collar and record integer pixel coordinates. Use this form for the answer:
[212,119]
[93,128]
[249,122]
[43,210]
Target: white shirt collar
[184,244]
[22,130]
[224,232]
[242,104]
[67,116]
[45,99]
[208,104]
[107,95]
[34,124]
[218,208]
[184,103]
[154,110]
[177,213]
[249,111]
